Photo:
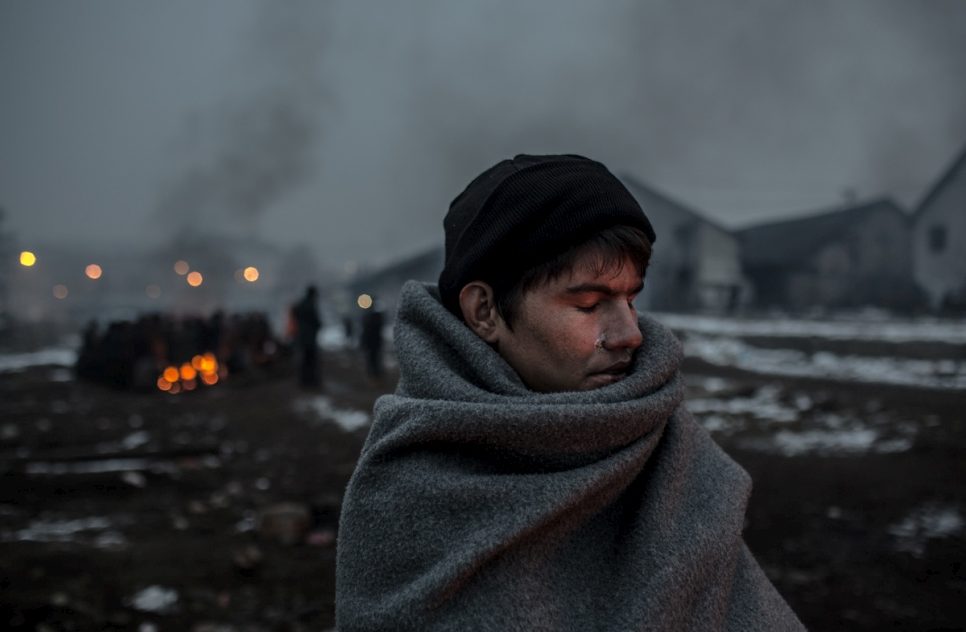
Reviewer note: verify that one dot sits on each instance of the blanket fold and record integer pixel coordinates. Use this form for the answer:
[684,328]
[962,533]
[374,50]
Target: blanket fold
[478,504]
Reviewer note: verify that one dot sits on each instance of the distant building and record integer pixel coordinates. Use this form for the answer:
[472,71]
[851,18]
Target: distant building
[939,239]
[852,257]
[695,265]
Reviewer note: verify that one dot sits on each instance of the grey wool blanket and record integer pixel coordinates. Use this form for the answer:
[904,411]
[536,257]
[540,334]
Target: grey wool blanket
[478,504]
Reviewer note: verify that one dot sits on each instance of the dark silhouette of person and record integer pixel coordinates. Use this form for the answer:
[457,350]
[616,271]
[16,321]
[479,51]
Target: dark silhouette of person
[370,340]
[307,324]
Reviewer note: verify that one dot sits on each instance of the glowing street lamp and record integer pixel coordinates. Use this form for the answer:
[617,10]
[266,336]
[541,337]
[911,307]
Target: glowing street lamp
[195,279]
[93,271]
[251,274]
[27,258]
[364,301]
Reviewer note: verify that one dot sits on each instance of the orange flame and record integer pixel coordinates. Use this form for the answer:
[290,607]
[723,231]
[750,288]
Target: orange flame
[188,372]
[202,369]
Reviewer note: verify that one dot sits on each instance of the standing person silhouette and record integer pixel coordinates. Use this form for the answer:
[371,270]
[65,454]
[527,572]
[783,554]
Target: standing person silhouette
[305,314]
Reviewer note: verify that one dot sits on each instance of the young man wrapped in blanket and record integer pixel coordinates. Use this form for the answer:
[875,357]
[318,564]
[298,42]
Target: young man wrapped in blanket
[536,468]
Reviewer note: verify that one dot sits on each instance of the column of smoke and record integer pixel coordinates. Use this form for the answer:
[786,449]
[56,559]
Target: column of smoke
[746,109]
[248,152]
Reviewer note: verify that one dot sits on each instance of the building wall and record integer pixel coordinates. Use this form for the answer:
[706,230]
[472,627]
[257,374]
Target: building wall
[939,244]
[869,264]
[694,264]
[719,283]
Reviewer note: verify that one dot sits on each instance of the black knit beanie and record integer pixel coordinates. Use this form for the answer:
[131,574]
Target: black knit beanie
[523,212]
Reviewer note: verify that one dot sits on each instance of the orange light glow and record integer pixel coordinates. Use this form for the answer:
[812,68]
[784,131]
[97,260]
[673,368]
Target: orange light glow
[188,372]
[209,378]
[171,374]
[181,267]
[195,279]
[175,389]
[27,258]
[164,384]
[189,385]
[93,271]
[196,362]
[208,363]
[251,274]
[364,301]
[60,291]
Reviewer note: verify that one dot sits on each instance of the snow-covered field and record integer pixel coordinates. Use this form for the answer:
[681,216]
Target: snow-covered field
[724,350]
[878,328]
[728,342]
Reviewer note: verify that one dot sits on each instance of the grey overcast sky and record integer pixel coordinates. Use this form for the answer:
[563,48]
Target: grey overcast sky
[349,126]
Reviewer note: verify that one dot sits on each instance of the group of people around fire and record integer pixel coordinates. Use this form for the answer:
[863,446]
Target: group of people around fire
[130,354]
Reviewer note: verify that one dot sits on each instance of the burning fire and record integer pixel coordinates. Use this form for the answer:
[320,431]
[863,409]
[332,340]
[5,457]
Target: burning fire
[203,369]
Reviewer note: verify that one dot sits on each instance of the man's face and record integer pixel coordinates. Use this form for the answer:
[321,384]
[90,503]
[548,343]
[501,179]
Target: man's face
[577,332]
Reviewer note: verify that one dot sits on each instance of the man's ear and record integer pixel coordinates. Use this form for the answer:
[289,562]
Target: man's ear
[479,310]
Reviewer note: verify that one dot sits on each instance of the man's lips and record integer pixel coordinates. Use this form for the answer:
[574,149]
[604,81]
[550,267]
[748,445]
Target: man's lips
[618,368]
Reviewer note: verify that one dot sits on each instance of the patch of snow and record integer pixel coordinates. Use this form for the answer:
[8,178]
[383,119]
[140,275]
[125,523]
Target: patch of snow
[953,332]
[135,439]
[946,374]
[717,423]
[134,479]
[347,418]
[54,355]
[893,445]
[99,466]
[764,405]
[709,384]
[155,599]
[855,440]
[110,539]
[928,521]
[56,530]
[332,337]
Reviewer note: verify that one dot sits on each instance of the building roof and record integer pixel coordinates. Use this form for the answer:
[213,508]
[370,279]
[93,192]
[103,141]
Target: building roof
[955,167]
[646,193]
[787,242]
[423,266]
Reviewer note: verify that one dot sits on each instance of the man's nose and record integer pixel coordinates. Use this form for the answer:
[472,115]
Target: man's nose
[623,331]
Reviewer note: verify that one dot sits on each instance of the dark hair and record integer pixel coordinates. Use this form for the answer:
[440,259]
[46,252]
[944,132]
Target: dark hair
[612,246]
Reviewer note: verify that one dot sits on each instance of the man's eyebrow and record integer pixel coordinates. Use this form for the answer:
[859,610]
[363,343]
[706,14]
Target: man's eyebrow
[599,288]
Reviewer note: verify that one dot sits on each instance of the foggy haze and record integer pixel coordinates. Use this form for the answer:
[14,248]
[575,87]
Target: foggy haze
[348,127]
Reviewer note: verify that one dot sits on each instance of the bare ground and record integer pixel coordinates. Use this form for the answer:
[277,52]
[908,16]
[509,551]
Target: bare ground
[170,541]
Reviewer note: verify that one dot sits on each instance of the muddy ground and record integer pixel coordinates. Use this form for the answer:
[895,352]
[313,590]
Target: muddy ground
[146,511]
